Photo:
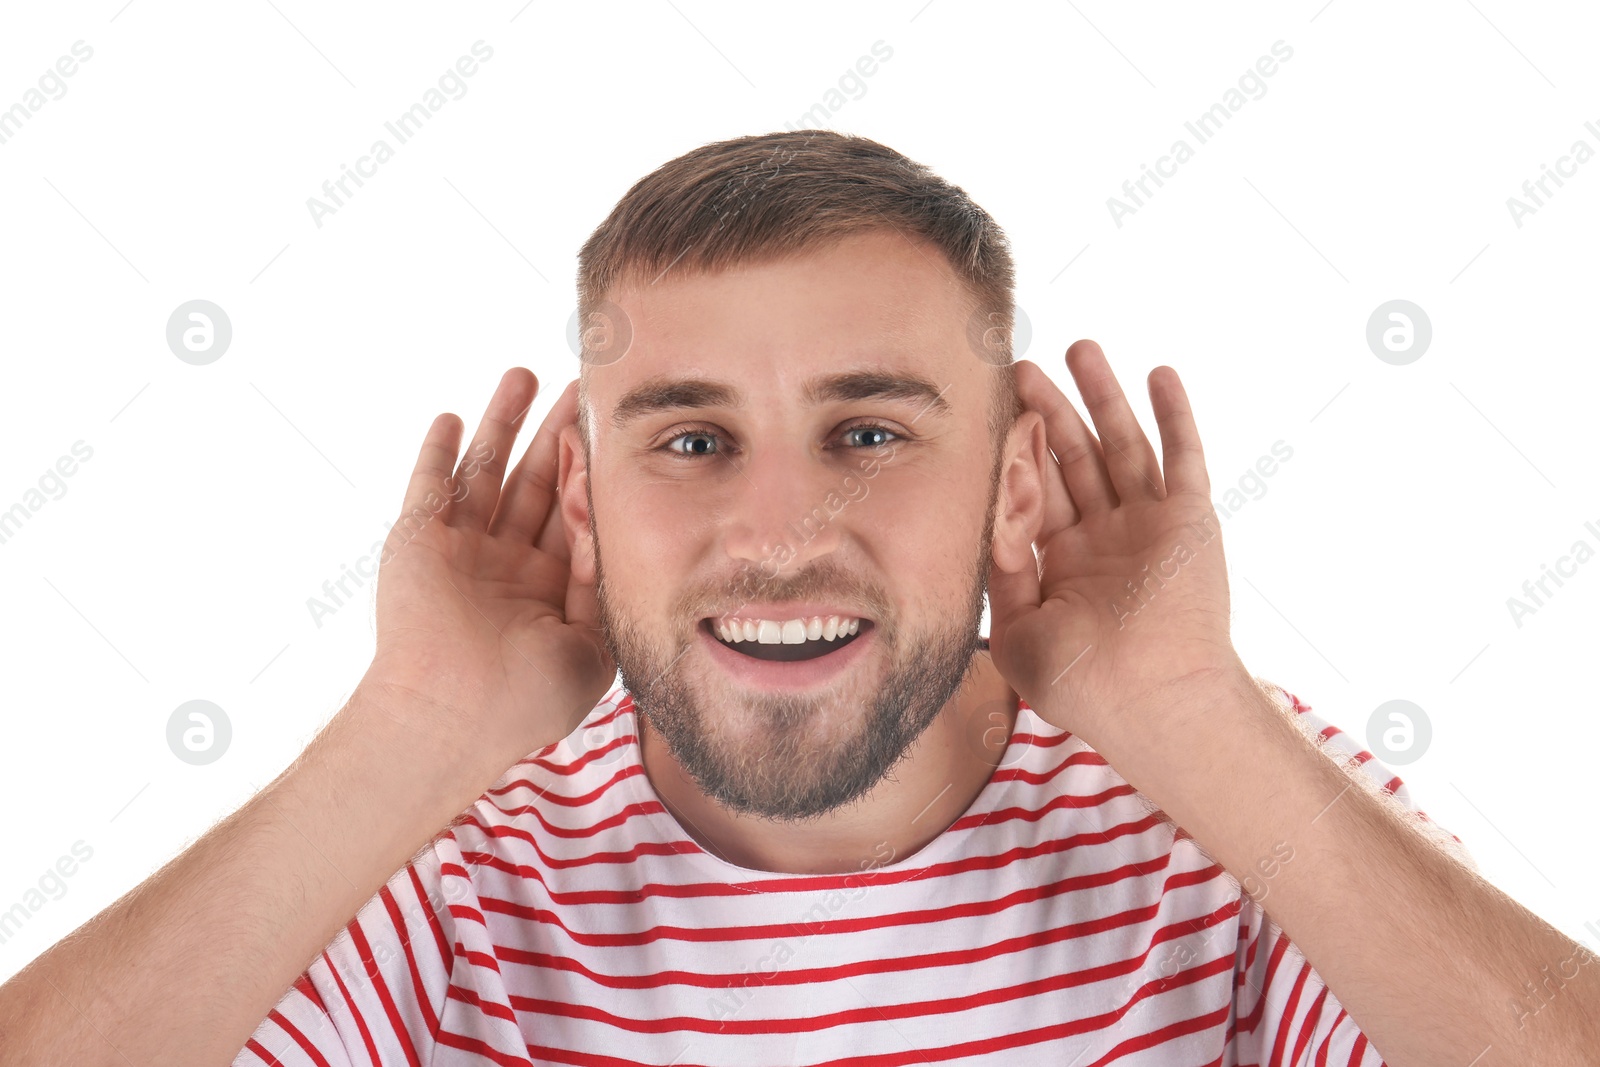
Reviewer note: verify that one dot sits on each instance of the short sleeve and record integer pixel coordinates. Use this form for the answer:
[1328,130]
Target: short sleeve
[1337,742]
[1284,1013]
[374,994]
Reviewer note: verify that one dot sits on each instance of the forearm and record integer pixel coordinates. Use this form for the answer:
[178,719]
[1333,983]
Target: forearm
[1426,956]
[182,968]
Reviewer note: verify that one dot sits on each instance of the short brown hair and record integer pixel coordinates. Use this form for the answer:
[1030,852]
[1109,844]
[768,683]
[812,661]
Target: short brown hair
[763,197]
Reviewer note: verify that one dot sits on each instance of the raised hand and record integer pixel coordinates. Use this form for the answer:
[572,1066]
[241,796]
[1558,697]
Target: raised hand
[478,613]
[1131,595]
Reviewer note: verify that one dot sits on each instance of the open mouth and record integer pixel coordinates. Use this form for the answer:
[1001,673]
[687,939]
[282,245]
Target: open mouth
[788,652]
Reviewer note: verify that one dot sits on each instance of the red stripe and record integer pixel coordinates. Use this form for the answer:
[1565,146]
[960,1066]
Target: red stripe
[491,1008]
[689,847]
[466,911]
[595,1059]
[1309,1025]
[1082,758]
[419,990]
[807,883]
[1071,801]
[299,1038]
[548,862]
[1156,1037]
[642,848]
[489,1052]
[656,848]
[1327,1042]
[625,772]
[1240,943]
[355,1013]
[1275,954]
[433,920]
[1039,740]
[622,740]
[553,918]
[870,877]
[1287,1018]
[640,808]
[1362,756]
[899,964]
[262,1054]
[475,958]
[364,952]
[303,984]
[460,987]
[871,1014]
[572,766]
[1255,939]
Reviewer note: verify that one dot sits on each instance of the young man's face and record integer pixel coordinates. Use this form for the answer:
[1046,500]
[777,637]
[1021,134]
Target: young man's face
[751,500]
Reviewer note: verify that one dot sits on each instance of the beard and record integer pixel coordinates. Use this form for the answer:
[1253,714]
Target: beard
[795,756]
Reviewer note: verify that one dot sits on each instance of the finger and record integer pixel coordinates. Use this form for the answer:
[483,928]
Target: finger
[529,493]
[1011,594]
[1078,454]
[426,496]
[583,606]
[1181,455]
[1130,460]
[551,538]
[1059,509]
[484,465]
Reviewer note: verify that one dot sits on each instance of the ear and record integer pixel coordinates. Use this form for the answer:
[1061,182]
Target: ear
[1020,502]
[573,500]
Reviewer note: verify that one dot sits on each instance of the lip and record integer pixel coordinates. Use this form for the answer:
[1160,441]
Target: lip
[784,612]
[795,675]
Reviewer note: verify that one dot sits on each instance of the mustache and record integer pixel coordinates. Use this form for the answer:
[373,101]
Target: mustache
[827,583]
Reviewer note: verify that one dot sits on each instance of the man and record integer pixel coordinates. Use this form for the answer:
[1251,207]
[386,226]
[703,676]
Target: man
[823,820]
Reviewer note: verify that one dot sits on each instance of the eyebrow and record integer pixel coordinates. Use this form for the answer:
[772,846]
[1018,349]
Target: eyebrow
[663,393]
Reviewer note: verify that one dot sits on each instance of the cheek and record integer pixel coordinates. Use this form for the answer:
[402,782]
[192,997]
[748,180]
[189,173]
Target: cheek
[919,528]
[651,536]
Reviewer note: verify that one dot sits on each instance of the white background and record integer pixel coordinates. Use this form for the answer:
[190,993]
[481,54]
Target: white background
[1377,165]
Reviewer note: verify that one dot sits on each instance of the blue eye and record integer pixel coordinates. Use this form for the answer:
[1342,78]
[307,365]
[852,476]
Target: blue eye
[705,442]
[872,429]
[706,434]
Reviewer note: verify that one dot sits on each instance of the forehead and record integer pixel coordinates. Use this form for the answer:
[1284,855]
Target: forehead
[874,302]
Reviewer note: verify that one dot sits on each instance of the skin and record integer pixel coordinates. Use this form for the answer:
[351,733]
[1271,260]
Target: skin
[911,543]
[490,646]
[1151,681]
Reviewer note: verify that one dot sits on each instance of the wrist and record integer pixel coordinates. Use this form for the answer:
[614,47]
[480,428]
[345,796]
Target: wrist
[1172,739]
[408,744]
[1138,706]
[1191,694]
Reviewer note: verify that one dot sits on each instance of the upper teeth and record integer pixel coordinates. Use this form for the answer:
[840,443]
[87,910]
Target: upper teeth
[789,631]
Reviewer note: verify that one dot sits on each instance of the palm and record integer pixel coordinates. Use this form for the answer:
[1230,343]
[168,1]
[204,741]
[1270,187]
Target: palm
[467,604]
[1131,591]
[472,611]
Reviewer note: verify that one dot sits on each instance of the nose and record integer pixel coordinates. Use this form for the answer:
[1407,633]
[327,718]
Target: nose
[787,509]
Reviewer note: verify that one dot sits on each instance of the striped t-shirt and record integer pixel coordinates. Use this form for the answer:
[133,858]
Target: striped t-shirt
[567,918]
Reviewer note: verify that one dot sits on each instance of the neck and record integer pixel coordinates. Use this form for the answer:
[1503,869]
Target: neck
[941,775]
